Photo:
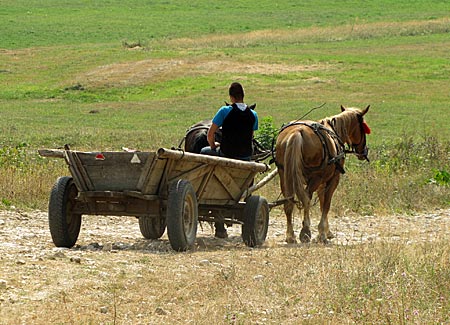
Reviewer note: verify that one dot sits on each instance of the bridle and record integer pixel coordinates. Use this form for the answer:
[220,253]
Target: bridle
[355,148]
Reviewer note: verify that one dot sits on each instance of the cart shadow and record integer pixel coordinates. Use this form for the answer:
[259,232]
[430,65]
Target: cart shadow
[203,243]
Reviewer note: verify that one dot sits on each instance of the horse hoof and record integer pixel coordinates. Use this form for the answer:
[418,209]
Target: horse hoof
[305,236]
[291,241]
[320,240]
[221,234]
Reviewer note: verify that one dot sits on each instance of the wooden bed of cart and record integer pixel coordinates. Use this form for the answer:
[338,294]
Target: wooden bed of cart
[169,189]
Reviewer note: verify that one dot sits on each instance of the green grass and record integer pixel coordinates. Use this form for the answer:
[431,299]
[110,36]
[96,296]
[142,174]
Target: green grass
[60,61]
[44,23]
[67,76]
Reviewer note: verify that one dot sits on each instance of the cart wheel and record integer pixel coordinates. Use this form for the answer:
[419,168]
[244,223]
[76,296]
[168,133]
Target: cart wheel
[182,215]
[64,224]
[152,228]
[256,221]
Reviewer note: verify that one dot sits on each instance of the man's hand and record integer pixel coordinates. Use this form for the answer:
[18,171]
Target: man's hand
[211,138]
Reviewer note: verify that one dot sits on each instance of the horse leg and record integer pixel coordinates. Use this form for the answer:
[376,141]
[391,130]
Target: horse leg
[288,210]
[325,195]
[220,232]
[305,234]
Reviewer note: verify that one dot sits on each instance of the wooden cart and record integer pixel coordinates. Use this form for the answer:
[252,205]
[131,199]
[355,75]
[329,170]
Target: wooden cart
[167,188]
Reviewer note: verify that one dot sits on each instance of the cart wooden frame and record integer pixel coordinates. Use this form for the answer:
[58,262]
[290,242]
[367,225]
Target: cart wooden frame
[166,188]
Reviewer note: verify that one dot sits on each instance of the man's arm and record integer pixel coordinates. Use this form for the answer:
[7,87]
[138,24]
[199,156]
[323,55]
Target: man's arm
[211,136]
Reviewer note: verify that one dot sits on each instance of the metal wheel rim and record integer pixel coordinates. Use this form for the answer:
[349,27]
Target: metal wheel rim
[188,215]
[260,224]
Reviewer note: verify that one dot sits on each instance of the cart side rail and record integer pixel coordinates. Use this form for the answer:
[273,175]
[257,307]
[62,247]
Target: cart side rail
[212,160]
[51,153]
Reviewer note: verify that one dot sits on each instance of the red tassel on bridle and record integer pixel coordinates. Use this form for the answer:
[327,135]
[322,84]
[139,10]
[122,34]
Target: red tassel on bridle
[365,128]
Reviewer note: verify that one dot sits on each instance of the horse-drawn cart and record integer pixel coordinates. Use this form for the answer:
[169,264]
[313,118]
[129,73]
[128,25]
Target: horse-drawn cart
[167,188]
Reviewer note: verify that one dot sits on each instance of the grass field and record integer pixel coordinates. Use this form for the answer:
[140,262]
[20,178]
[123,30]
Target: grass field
[104,76]
[100,75]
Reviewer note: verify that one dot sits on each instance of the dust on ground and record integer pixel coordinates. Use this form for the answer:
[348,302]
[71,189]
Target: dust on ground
[26,234]
[33,271]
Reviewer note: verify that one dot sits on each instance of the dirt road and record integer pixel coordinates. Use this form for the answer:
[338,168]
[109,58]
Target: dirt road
[34,273]
[25,234]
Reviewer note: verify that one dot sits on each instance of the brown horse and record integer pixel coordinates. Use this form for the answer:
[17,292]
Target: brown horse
[310,158]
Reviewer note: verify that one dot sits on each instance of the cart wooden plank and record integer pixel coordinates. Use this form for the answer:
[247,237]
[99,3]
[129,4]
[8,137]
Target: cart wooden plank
[216,180]
[141,184]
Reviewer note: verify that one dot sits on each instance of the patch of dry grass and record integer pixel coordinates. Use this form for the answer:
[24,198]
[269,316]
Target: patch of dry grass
[141,72]
[376,283]
[392,269]
[153,70]
[28,185]
[358,30]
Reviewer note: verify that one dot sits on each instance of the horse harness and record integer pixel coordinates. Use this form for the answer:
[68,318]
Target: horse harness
[322,132]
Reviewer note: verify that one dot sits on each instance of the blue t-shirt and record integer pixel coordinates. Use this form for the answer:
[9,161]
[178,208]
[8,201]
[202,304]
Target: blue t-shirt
[222,113]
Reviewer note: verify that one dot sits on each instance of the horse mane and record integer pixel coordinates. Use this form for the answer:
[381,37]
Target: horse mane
[341,123]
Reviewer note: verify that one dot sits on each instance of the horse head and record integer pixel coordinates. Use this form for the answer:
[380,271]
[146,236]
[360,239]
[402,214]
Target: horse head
[356,132]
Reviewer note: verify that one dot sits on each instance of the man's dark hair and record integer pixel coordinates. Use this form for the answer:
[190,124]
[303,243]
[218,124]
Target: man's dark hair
[236,91]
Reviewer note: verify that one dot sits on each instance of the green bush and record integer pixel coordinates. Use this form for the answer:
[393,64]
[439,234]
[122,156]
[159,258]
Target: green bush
[267,132]
[441,177]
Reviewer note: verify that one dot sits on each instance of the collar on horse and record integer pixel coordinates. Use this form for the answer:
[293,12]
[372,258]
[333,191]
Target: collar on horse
[321,131]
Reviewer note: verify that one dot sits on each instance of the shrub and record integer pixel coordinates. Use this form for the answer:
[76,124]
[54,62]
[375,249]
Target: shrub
[441,177]
[267,132]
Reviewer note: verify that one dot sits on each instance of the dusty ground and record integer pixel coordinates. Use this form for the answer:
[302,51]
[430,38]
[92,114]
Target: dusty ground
[26,234]
[33,272]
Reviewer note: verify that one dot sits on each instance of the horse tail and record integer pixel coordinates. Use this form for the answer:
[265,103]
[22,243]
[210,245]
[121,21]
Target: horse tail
[294,166]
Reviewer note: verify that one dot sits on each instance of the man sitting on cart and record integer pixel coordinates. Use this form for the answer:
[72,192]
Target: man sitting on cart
[238,123]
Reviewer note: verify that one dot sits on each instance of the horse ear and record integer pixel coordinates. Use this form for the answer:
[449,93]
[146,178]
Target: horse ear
[342,108]
[252,106]
[365,110]
[333,122]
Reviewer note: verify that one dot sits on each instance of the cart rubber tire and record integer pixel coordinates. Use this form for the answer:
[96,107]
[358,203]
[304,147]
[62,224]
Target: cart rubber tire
[152,227]
[64,225]
[256,221]
[182,215]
